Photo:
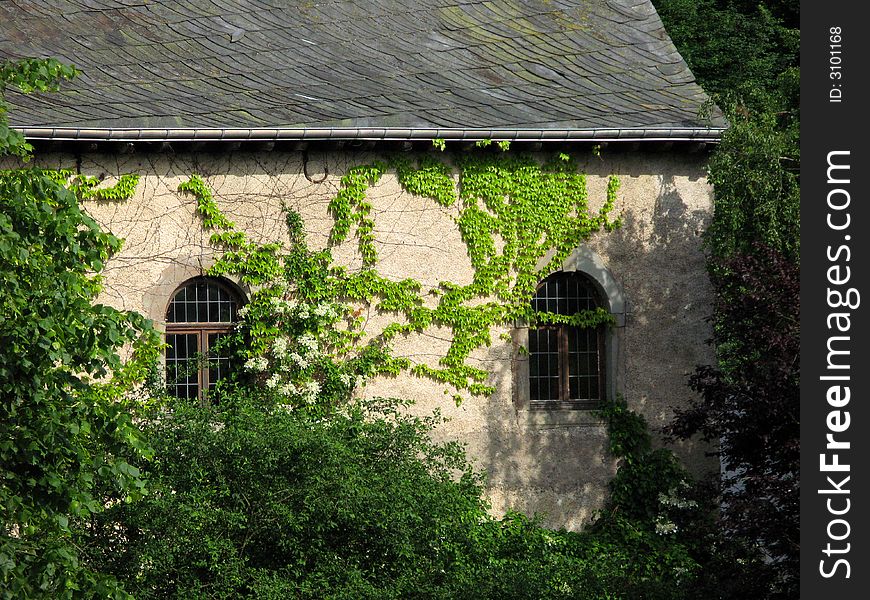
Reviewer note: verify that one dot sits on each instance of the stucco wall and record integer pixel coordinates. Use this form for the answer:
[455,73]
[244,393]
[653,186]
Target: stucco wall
[552,462]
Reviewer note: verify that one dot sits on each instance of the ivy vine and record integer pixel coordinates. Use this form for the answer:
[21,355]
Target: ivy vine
[512,213]
[85,187]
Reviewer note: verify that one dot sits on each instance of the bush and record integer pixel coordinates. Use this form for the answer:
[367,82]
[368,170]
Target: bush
[254,500]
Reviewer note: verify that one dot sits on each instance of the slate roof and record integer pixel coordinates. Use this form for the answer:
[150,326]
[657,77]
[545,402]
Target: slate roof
[376,69]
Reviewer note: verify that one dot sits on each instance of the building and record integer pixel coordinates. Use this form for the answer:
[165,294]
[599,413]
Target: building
[273,103]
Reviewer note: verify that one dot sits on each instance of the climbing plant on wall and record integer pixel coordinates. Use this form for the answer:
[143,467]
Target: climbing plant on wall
[519,219]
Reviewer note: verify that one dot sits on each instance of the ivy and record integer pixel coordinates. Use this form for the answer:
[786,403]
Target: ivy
[513,212]
[212,217]
[583,319]
[350,206]
[85,187]
[431,178]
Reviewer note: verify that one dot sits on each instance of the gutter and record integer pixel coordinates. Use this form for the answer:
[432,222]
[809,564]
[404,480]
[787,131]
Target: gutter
[707,134]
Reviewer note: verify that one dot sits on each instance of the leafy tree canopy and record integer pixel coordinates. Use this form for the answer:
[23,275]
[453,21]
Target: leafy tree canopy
[66,432]
[745,54]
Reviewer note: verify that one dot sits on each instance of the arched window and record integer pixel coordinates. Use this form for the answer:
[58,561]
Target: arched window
[200,313]
[566,363]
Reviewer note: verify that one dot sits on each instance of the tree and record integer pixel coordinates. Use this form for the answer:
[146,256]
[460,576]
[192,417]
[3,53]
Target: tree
[750,406]
[66,429]
[746,55]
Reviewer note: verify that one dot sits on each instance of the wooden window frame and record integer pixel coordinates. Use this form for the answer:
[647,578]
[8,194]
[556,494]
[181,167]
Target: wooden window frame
[562,332]
[202,331]
[564,402]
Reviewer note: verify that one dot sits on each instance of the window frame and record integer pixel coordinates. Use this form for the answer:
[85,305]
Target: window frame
[202,330]
[564,402]
[563,332]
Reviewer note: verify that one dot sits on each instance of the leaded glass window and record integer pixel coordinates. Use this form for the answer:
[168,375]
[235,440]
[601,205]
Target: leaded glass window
[566,363]
[199,315]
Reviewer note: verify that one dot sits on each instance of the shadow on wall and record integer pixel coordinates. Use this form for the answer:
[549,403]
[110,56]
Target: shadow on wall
[557,463]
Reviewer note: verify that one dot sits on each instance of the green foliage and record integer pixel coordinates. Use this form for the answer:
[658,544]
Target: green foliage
[746,54]
[212,217]
[250,500]
[431,179]
[67,436]
[27,75]
[645,476]
[85,187]
[737,49]
[65,423]
[755,176]
[351,206]
[298,336]
[534,210]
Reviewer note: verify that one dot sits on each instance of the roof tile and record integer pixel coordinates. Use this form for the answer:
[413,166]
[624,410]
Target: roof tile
[498,64]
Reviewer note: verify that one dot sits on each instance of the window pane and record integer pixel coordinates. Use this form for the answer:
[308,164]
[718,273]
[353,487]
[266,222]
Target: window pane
[218,359]
[562,296]
[552,340]
[202,311]
[533,340]
[594,392]
[225,314]
[554,388]
[189,312]
[553,365]
[181,368]
[584,388]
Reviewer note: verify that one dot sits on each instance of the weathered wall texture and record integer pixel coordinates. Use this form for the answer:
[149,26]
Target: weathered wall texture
[550,462]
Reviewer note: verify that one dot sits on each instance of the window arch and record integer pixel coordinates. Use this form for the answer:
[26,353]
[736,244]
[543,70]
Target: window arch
[200,313]
[566,362]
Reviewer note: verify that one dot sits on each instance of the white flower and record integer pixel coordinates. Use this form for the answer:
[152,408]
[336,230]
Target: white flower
[306,340]
[321,310]
[257,364]
[272,382]
[665,527]
[279,347]
[312,387]
[303,313]
[288,389]
[243,311]
[299,360]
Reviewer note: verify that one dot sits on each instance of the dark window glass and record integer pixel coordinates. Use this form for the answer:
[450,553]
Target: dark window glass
[566,363]
[198,316]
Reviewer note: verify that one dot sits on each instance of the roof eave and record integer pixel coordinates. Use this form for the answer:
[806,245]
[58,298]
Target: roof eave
[705,134]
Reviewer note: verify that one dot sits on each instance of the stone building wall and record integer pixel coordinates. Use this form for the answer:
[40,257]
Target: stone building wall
[536,461]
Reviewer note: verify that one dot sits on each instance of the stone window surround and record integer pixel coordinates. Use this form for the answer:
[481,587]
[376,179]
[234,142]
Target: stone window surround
[202,329]
[584,260]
